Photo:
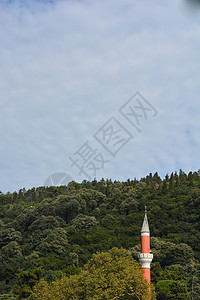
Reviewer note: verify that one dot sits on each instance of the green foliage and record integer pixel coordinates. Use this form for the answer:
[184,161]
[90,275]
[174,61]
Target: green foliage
[7,297]
[111,275]
[55,242]
[58,229]
[26,281]
[11,250]
[8,235]
[84,222]
[171,289]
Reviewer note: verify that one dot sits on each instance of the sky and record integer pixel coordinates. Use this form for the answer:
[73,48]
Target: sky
[97,89]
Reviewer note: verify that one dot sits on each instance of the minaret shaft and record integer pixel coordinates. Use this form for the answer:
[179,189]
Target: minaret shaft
[145,244]
[146,274]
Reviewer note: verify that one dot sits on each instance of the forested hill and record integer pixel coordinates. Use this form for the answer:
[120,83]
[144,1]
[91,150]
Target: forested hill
[45,232]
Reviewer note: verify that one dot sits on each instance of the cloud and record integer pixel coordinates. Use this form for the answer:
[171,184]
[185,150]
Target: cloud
[68,66]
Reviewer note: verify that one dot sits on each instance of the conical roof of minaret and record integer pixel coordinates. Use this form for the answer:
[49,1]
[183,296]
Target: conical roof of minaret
[145,225]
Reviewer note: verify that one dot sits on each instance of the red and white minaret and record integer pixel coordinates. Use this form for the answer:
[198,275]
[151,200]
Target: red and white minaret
[145,257]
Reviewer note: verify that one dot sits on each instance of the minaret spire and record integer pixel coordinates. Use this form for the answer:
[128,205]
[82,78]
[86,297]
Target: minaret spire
[145,225]
[145,257]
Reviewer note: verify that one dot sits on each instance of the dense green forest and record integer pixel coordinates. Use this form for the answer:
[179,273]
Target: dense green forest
[49,232]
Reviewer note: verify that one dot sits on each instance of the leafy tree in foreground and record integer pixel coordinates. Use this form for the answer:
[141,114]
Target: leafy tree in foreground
[108,275]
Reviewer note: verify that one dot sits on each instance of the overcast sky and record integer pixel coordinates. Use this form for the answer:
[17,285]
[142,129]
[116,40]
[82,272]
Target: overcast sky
[67,71]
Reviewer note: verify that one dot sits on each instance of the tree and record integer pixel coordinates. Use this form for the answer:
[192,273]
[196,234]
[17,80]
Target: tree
[83,221]
[8,235]
[171,289]
[55,242]
[10,250]
[108,275]
[26,281]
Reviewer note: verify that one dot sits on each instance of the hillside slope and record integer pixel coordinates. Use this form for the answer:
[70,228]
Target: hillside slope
[47,232]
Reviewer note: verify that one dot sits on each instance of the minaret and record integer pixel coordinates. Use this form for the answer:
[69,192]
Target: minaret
[145,257]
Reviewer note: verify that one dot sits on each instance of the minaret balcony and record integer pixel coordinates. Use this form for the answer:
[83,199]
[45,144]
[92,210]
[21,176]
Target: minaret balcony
[145,259]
